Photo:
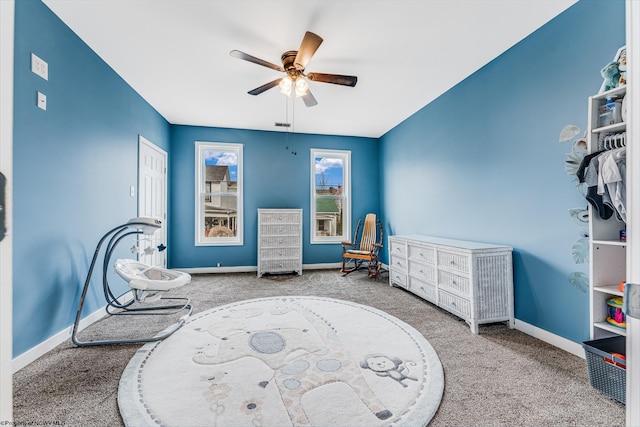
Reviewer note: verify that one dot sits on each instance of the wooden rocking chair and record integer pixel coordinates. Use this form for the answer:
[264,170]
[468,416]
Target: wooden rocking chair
[367,249]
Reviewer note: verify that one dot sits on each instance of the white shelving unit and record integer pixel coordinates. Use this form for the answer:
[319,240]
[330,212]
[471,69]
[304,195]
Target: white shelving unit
[607,253]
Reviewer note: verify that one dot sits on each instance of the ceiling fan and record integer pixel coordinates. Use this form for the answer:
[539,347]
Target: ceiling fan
[293,65]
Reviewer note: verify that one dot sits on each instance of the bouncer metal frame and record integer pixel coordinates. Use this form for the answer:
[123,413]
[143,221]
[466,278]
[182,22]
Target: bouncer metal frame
[114,307]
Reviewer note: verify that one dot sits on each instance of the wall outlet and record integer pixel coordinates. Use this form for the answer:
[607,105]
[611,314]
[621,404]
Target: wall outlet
[42,101]
[39,66]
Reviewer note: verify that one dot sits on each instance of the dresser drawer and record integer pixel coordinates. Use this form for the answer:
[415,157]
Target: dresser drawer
[455,304]
[453,261]
[279,229]
[279,253]
[454,283]
[423,290]
[397,277]
[280,265]
[279,241]
[280,217]
[422,271]
[398,262]
[398,248]
[422,253]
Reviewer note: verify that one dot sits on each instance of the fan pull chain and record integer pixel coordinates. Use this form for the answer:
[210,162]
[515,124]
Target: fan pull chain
[293,115]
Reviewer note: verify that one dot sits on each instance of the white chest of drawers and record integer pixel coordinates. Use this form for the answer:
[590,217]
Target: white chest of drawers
[472,280]
[279,241]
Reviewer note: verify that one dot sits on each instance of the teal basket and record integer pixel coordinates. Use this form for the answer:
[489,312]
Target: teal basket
[604,376]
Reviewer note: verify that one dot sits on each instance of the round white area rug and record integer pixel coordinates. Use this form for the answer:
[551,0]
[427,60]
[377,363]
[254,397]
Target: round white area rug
[285,361]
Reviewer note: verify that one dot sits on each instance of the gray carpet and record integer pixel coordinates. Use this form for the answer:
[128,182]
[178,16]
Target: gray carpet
[501,377]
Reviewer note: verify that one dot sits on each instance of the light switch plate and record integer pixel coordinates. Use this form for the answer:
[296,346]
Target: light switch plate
[39,66]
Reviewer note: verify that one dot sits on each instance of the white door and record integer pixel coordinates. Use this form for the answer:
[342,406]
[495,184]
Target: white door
[6,156]
[152,200]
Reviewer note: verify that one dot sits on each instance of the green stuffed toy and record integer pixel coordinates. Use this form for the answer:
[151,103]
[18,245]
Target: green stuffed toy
[611,74]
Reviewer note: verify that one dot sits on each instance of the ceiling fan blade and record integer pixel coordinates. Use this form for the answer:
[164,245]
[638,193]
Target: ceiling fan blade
[310,43]
[250,58]
[336,79]
[309,99]
[264,87]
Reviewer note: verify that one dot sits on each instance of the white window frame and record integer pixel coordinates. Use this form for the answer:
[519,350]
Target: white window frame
[345,156]
[200,239]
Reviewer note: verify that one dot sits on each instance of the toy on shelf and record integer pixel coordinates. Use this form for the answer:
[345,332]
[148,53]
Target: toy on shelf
[611,74]
[615,314]
[615,72]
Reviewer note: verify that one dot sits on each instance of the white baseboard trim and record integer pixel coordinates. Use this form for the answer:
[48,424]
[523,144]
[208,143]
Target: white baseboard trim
[553,339]
[249,269]
[44,347]
[41,349]
[326,266]
[209,270]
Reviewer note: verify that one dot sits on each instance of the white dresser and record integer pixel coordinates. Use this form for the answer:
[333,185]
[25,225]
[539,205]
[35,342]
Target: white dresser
[472,280]
[279,241]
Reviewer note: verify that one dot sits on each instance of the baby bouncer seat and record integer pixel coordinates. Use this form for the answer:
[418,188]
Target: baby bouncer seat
[146,283]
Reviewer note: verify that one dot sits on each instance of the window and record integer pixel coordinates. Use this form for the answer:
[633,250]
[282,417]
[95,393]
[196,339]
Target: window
[330,196]
[219,219]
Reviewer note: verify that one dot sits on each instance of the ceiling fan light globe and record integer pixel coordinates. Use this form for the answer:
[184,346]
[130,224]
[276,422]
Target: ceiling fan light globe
[301,87]
[286,92]
[285,86]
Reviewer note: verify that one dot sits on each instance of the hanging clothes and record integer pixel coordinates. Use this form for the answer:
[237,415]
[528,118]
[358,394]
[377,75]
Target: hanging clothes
[604,174]
[588,174]
[611,181]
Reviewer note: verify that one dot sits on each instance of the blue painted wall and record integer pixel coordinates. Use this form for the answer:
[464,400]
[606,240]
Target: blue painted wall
[483,162]
[274,178]
[72,168]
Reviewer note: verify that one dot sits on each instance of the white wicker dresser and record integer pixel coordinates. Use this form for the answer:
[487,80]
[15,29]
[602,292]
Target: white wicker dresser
[472,280]
[279,241]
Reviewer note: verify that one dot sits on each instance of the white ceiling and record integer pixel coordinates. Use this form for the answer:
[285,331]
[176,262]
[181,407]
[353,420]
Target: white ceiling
[175,54]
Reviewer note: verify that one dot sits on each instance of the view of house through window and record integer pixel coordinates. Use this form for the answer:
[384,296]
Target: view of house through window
[330,201]
[218,194]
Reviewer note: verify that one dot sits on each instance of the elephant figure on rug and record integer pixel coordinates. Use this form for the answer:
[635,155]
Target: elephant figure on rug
[301,358]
